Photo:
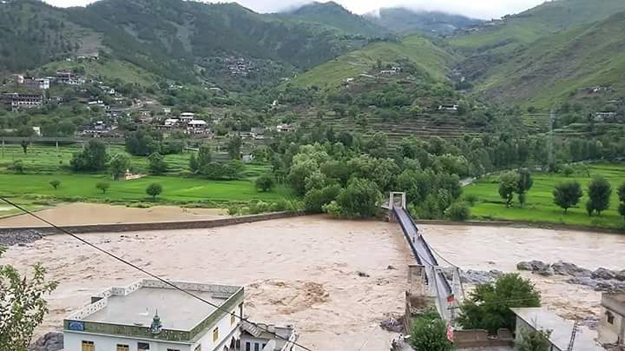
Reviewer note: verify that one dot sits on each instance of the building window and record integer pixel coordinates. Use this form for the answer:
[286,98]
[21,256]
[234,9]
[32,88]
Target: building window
[143,346]
[233,319]
[216,334]
[248,346]
[264,346]
[121,347]
[198,348]
[256,346]
[610,317]
[172,350]
[88,346]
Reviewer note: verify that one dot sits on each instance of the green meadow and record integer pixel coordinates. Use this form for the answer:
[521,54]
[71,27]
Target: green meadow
[540,207]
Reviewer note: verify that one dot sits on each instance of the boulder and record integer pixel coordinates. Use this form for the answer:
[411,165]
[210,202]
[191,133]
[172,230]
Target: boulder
[52,341]
[585,281]
[621,275]
[546,271]
[570,269]
[363,274]
[480,277]
[392,324]
[603,273]
[531,265]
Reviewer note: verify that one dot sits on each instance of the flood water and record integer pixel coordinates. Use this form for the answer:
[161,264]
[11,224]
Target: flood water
[304,271]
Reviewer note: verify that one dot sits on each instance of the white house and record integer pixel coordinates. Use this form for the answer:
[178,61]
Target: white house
[612,319]
[187,117]
[170,122]
[283,128]
[150,315]
[197,124]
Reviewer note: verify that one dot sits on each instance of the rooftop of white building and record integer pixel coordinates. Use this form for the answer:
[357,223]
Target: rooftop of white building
[561,329]
[135,306]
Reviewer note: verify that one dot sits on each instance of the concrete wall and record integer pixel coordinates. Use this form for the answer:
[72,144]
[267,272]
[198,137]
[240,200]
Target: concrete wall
[611,333]
[479,338]
[136,227]
[73,342]
[227,331]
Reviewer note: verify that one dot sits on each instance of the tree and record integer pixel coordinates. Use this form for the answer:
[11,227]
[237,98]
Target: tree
[458,212]
[204,157]
[157,164]
[567,195]
[143,142]
[55,184]
[22,305]
[154,190]
[533,340]
[488,306]
[92,158]
[316,199]
[568,171]
[265,182]
[599,192]
[193,164]
[508,184]
[360,198]
[621,198]
[430,333]
[234,147]
[119,165]
[24,145]
[524,184]
[103,186]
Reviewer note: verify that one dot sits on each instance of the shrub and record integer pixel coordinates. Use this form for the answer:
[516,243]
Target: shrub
[430,333]
[333,208]
[154,190]
[459,212]
[119,165]
[360,199]
[567,195]
[233,210]
[568,171]
[157,164]
[55,184]
[471,199]
[599,192]
[315,199]
[103,186]
[265,182]
[533,340]
[18,166]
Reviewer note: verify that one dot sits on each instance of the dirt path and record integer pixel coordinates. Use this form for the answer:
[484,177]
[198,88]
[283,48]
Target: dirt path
[85,213]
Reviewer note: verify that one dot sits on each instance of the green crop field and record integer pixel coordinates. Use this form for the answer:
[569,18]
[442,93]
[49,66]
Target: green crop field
[46,163]
[540,207]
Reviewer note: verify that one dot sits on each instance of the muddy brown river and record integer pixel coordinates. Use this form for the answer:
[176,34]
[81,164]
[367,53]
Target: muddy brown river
[304,271]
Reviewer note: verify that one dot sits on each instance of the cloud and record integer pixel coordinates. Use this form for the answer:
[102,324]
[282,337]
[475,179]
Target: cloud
[485,9]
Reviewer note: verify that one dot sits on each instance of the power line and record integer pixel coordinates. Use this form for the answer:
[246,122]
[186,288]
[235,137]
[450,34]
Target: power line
[174,286]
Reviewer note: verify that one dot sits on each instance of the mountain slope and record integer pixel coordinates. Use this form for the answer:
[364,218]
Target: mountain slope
[336,16]
[526,27]
[403,20]
[555,68]
[33,33]
[418,51]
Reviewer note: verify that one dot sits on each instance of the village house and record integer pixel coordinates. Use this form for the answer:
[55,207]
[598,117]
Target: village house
[37,83]
[16,101]
[284,128]
[197,125]
[448,108]
[150,315]
[187,117]
[540,319]
[604,116]
[612,319]
[171,122]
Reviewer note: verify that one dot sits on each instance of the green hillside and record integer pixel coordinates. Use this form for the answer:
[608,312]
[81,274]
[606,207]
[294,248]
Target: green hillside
[421,52]
[555,68]
[404,20]
[336,16]
[535,23]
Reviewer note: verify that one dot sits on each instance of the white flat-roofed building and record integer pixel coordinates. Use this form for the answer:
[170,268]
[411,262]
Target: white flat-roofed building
[612,319]
[152,316]
[187,117]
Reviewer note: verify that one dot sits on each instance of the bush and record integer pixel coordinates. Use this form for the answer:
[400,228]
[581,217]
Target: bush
[430,333]
[103,186]
[333,208]
[568,171]
[458,212]
[92,158]
[233,210]
[119,165]
[154,190]
[360,199]
[471,199]
[157,164]
[55,184]
[567,195]
[533,340]
[315,199]
[18,166]
[265,182]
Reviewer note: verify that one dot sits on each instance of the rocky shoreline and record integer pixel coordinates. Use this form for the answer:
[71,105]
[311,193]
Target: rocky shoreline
[601,279]
[19,237]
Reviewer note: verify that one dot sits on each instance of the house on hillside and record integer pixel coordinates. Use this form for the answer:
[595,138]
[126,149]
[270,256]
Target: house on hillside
[540,319]
[150,315]
[612,319]
[37,83]
[284,128]
[187,117]
[448,108]
[17,101]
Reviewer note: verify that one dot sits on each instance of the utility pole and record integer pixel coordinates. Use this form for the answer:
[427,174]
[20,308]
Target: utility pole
[552,118]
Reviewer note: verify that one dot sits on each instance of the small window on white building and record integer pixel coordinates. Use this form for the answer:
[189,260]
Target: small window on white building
[88,346]
[143,346]
[256,346]
[198,348]
[610,317]
[121,347]
[216,334]
[248,346]
[233,319]
[173,350]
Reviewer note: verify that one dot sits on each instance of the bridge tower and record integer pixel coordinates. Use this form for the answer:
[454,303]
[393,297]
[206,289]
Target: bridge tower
[397,199]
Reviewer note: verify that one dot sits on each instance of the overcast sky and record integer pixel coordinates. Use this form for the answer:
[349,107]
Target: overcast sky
[485,9]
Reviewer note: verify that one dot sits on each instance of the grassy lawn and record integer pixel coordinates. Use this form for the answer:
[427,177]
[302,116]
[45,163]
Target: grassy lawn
[46,163]
[540,207]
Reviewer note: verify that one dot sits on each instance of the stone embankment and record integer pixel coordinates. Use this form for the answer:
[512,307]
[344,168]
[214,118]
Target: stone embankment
[19,237]
[601,279]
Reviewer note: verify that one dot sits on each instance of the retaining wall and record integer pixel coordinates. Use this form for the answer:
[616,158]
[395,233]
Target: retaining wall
[467,339]
[136,227]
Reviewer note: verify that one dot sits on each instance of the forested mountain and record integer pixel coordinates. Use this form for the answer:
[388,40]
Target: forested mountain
[404,20]
[335,15]
[175,39]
